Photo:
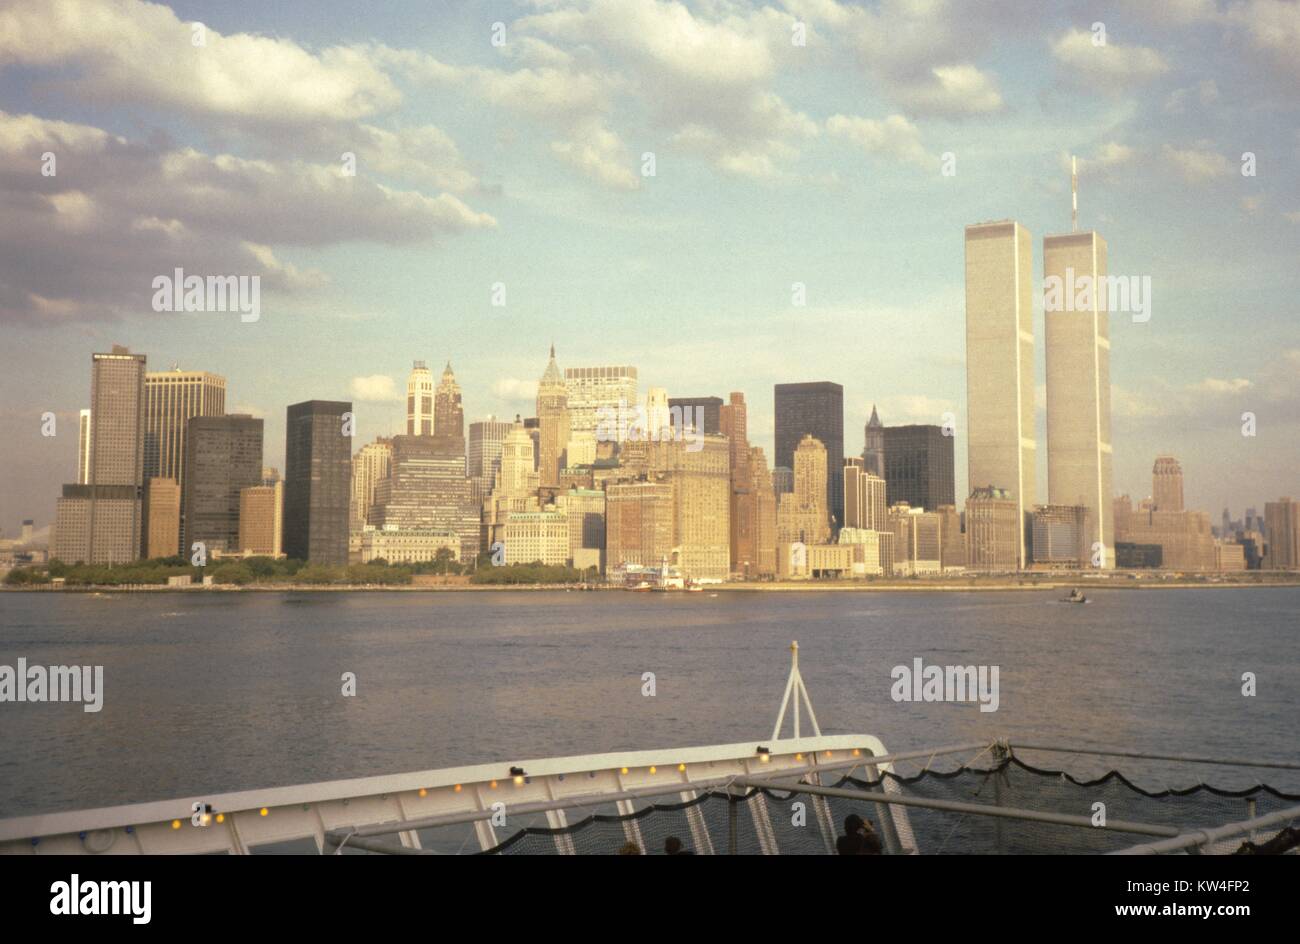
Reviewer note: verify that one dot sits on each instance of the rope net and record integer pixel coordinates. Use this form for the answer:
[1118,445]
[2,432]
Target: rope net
[771,821]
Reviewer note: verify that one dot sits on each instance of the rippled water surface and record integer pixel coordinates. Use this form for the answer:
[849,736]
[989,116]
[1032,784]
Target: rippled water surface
[211,692]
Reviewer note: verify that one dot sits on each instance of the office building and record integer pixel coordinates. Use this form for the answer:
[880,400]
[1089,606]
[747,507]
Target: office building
[1077,338]
[873,456]
[223,457]
[1001,451]
[801,515]
[817,410]
[162,500]
[597,396]
[638,524]
[919,466]
[370,466]
[317,482]
[101,521]
[552,423]
[1282,534]
[709,408]
[1060,537]
[261,508]
[993,531]
[1167,484]
[427,490]
[419,400]
[448,413]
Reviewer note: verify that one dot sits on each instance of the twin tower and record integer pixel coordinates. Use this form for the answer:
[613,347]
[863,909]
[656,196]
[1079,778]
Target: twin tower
[1003,451]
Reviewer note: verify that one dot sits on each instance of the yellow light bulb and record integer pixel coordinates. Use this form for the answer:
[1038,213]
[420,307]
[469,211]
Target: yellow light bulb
[176,824]
[263,811]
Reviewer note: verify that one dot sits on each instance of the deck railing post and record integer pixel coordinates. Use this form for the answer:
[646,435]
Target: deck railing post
[731,822]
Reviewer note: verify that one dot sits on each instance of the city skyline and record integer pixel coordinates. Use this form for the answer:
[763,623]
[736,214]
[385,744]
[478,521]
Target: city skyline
[840,190]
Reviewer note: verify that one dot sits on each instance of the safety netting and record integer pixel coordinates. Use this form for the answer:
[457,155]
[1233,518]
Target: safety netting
[777,821]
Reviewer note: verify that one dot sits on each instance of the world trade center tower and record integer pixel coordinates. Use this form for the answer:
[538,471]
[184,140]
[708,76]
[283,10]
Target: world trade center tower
[1000,364]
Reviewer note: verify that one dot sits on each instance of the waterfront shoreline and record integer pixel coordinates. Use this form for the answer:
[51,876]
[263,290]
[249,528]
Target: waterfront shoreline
[841,586]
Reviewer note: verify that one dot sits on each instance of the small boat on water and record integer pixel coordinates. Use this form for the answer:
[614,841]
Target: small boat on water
[1076,596]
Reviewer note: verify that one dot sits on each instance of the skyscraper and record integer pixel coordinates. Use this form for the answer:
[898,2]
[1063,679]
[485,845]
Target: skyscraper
[596,393]
[764,523]
[162,517]
[369,466]
[802,515]
[708,407]
[172,398]
[260,511]
[317,482]
[919,466]
[483,448]
[1001,451]
[993,529]
[865,503]
[734,423]
[1167,484]
[101,522]
[553,423]
[448,414]
[1078,382]
[419,400]
[638,524]
[874,454]
[817,410]
[701,484]
[83,449]
[427,490]
[223,457]
[1282,532]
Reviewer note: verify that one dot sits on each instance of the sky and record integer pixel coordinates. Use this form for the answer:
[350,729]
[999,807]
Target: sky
[508,144]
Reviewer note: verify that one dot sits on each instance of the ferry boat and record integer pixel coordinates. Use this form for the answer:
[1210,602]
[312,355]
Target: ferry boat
[778,795]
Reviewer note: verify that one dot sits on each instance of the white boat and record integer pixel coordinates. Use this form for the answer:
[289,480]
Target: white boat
[777,795]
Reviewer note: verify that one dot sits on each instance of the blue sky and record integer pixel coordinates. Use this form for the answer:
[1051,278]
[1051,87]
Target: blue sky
[521,163]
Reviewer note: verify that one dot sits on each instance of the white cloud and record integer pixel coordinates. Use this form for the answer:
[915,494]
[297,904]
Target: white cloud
[1197,164]
[893,137]
[142,52]
[1217,385]
[377,388]
[91,250]
[512,388]
[1112,66]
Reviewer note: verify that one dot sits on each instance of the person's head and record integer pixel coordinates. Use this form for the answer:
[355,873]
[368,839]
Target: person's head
[630,848]
[672,845]
[853,824]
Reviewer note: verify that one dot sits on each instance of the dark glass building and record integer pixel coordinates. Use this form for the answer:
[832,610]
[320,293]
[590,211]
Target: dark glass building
[223,454]
[919,467]
[817,410]
[317,482]
[427,490]
[711,407]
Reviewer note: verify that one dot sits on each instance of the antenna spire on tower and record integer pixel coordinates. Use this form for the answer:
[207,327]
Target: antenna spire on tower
[1074,194]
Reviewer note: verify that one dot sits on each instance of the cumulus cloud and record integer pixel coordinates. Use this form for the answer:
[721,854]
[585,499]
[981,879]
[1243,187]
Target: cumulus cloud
[893,137]
[1110,66]
[377,388]
[1196,164]
[129,50]
[87,242]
